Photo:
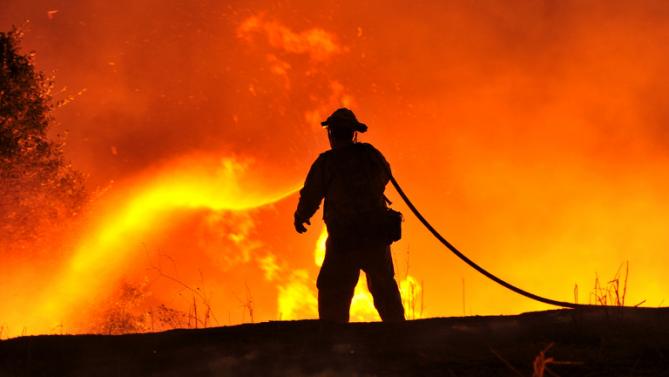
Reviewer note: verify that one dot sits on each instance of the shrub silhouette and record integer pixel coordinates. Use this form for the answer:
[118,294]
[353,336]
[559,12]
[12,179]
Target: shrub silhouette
[38,187]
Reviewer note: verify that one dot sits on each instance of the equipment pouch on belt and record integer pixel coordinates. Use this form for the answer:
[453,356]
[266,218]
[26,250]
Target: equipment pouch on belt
[384,225]
[393,225]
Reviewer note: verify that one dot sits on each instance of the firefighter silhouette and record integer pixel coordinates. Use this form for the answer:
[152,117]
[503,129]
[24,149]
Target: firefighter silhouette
[351,177]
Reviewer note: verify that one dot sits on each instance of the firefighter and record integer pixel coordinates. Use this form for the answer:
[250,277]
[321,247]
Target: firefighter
[351,177]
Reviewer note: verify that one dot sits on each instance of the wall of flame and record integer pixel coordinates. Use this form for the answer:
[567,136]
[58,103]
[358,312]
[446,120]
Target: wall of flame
[533,134]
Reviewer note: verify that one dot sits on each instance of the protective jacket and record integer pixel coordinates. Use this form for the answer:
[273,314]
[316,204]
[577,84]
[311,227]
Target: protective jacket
[352,180]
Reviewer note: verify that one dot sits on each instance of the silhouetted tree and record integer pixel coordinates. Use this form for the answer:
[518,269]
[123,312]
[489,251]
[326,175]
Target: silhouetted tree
[38,187]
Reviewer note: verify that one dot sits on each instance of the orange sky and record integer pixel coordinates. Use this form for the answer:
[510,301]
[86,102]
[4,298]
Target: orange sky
[533,135]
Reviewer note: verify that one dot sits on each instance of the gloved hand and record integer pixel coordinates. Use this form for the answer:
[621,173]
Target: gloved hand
[299,225]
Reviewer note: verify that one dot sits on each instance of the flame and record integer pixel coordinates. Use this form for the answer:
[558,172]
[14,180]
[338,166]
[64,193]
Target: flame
[108,247]
[297,299]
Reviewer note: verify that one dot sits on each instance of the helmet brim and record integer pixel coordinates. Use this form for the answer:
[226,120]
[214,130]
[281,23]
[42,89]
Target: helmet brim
[355,126]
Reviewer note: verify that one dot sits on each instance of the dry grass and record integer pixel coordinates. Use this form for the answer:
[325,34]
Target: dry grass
[413,308]
[247,305]
[199,313]
[541,363]
[133,311]
[613,292]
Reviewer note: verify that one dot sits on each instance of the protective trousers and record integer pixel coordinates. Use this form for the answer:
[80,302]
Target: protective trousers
[339,275]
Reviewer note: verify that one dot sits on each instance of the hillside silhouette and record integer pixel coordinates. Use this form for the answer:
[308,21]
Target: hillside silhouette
[592,342]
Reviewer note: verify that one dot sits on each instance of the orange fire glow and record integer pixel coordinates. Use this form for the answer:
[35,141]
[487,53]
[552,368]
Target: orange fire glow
[531,134]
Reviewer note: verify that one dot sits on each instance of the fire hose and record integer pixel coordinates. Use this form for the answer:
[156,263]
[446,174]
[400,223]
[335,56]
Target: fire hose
[473,264]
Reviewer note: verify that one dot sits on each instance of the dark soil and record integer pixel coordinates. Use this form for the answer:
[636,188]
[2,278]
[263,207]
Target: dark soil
[594,342]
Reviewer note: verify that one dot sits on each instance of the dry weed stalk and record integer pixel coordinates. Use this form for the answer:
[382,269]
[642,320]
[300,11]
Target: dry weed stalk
[198,298]
[246,304]
[615,291]
[249,303]
[409,302]
[541,363]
